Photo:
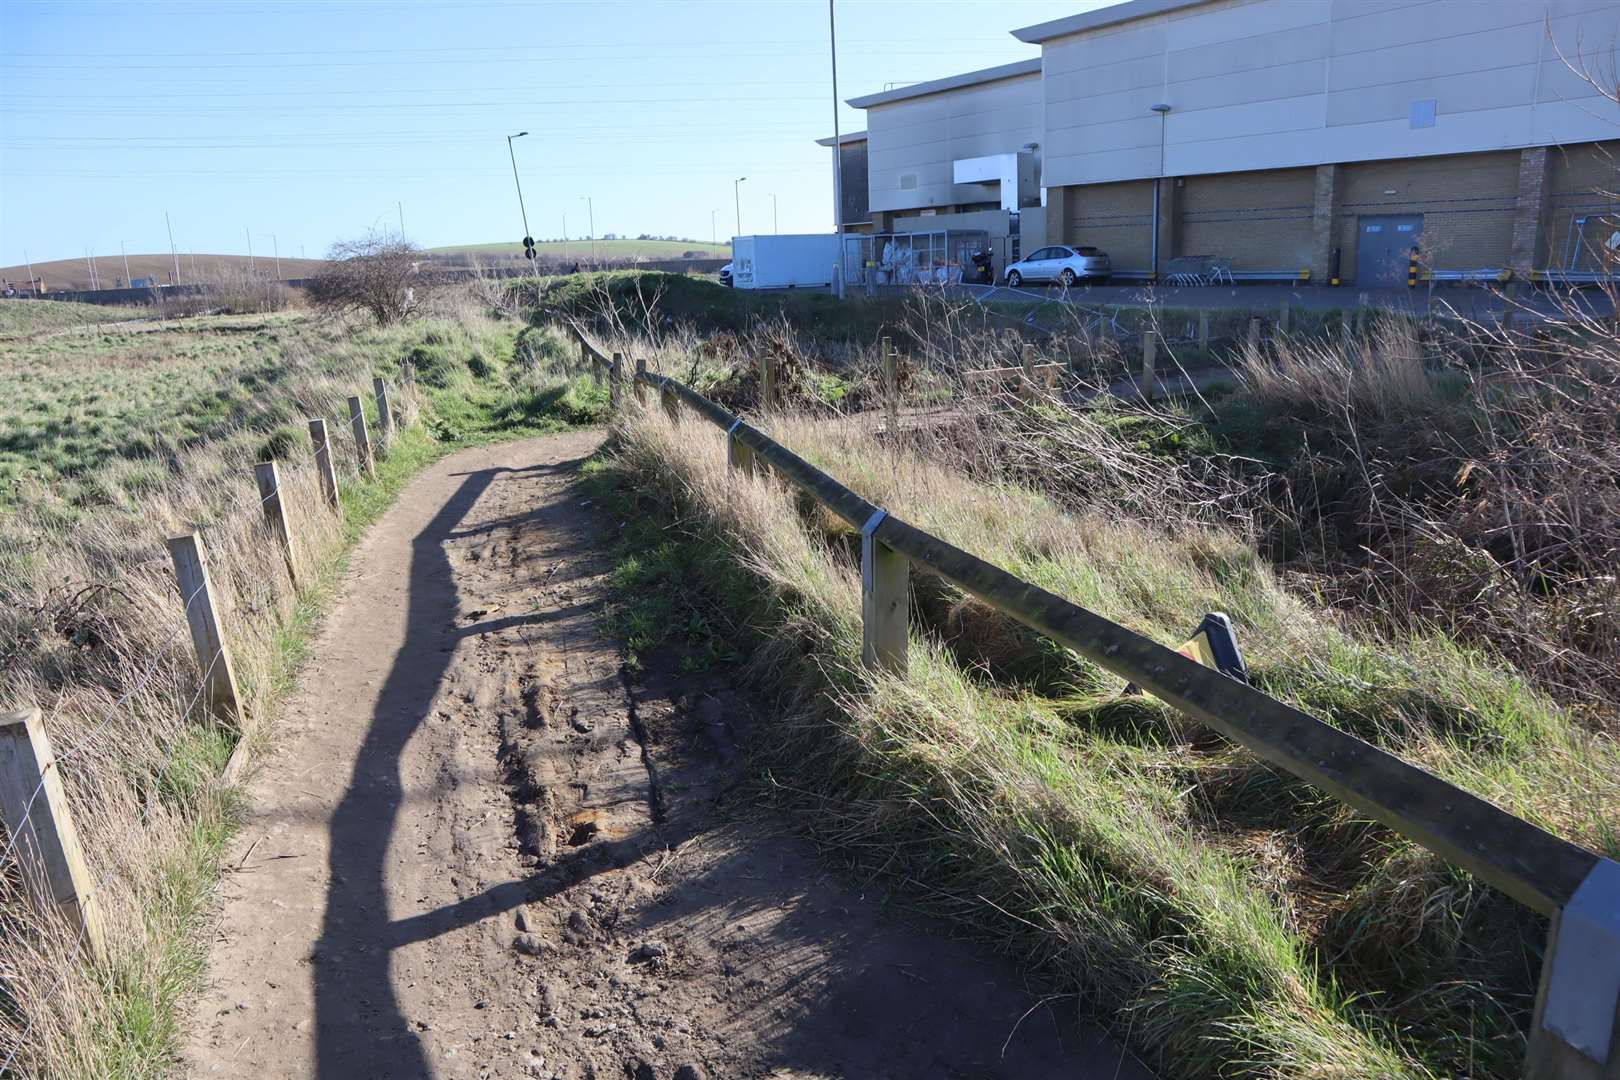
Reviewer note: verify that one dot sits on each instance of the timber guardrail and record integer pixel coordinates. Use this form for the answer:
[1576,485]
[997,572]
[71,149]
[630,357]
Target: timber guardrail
[1575,1029]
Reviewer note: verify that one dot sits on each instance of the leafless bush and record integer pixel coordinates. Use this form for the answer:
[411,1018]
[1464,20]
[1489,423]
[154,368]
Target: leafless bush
[371,275]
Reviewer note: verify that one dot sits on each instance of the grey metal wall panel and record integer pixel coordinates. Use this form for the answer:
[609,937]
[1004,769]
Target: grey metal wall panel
[914,142]
[1279,83]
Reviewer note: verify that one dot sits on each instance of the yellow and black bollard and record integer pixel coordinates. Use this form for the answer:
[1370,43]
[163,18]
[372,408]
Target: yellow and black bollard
[1411,269]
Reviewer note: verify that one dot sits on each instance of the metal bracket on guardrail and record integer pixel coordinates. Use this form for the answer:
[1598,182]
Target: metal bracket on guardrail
[1581,988]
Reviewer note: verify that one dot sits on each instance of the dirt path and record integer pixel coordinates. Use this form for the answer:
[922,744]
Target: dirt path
[480,851]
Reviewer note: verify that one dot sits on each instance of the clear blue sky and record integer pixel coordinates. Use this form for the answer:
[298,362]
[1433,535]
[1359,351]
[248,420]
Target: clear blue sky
[310,119]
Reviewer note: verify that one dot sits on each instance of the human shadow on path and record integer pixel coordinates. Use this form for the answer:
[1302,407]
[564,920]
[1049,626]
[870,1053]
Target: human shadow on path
[360,1029]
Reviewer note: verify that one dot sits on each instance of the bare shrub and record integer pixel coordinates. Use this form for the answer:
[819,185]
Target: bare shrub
[373,275]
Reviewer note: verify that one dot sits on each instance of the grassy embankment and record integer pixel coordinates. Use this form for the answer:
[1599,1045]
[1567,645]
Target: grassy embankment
[113,441]
[30,318]
[1223,917]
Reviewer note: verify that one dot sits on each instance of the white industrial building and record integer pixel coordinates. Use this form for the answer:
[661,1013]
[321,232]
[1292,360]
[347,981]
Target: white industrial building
[1314,139]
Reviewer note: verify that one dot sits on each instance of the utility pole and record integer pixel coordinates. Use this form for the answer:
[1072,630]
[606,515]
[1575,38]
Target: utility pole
[838,152]
[250,248]
[736,194]
[90,264]
[714,230]
[513,155]
[276,250]
[401,206]
[128,281]
[32,287]
[590,208]
[175,254]
[776,225]
[565,234]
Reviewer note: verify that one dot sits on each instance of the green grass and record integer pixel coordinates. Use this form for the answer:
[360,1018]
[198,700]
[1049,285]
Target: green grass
[1225,918]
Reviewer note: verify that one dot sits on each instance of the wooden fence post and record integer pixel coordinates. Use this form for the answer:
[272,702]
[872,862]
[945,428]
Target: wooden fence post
[268,478]
[1026,374]
[738,454]
[1285,317]
[885,601]
[891,388]
[767,382]
[670,400]
[641,369]
[213,655]
[42,834]
[323,462]
[385,416]
[1203,328]
[1150,356]
[615,374]
[1575,1029]
[1254,334]
[362,443]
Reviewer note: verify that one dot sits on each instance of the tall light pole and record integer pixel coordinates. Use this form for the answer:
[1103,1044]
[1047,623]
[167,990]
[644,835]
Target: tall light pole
[736,195]
[775,224]
[125,253]
[513,155]
[172,251]
[275,248]
[838,152]
[1163,111]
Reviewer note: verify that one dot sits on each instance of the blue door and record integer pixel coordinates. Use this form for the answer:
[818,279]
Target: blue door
[1384,245]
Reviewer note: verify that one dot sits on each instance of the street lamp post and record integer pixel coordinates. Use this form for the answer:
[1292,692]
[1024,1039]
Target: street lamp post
[736,195]
[519,184]
[1163,111]
[838,151]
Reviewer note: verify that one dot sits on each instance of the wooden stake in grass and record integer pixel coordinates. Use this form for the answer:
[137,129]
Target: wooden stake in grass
[362,442]
[1150,356]
[219,692]
[385,416]
[1254,334]
[1026,374]
[641,371]
[42,833]
[1285,317]
[1203,328]
[615,374]
[767,383]
[891,388]
[268,477]
[323,462]
[885,601]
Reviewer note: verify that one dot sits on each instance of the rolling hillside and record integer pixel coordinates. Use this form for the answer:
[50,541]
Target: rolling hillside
[581,249]
[64,274]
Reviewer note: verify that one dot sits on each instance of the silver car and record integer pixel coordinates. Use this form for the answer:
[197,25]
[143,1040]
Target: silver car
[1066,265]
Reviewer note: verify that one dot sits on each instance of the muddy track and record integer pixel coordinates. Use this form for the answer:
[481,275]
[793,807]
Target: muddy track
[481,849]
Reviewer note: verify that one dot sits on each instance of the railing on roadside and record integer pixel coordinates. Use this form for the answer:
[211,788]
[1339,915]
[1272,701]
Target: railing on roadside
[1575,1030]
